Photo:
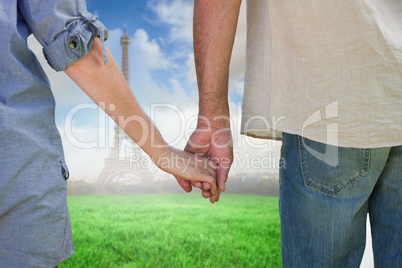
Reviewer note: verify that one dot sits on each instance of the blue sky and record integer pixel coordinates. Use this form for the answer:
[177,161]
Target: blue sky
[136,13]
[162,73]
[166,23]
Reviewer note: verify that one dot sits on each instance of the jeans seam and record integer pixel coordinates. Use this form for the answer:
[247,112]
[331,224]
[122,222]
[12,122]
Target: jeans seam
[308,182]
[303,167]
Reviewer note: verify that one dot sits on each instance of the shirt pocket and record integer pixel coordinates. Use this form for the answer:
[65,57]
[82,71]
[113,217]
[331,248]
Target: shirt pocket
[329,169]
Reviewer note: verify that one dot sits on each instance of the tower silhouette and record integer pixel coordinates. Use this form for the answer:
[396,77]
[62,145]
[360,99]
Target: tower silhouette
[118,164]
[125,43]
[119,134]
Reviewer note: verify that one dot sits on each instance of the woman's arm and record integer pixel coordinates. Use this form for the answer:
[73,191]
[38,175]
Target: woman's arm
[104,83]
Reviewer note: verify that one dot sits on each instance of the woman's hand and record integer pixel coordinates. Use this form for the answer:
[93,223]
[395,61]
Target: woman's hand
[188,166]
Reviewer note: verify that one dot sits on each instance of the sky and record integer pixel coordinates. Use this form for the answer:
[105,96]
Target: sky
[162,77]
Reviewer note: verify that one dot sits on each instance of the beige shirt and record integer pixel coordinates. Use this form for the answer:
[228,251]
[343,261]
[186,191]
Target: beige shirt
[328,70]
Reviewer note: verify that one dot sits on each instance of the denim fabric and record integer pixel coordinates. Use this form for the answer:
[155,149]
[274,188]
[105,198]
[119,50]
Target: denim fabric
[326,193]
[34,220]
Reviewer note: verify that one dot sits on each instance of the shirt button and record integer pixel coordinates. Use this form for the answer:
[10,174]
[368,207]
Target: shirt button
[73,44]
[65,173]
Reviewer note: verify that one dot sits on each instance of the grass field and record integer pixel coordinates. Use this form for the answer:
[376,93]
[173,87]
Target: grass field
[182,230]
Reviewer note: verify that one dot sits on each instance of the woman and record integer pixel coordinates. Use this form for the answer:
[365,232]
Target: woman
[34,222]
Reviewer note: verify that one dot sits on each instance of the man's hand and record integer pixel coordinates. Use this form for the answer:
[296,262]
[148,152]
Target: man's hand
[213,140]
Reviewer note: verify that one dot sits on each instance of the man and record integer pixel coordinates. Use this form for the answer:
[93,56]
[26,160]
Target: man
[326,78]
[34,221]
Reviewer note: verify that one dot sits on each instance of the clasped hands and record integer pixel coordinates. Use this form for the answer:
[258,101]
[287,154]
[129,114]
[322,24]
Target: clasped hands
[214,144]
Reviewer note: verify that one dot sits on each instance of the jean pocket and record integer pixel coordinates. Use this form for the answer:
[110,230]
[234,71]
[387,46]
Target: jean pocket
[329,169]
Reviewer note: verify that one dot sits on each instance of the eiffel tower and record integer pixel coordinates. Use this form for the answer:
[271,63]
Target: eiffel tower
[116,164]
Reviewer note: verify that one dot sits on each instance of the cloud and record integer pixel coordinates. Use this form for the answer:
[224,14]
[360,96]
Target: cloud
[238,87]
[238,60]
[148,52]
[190,66]
[177,15]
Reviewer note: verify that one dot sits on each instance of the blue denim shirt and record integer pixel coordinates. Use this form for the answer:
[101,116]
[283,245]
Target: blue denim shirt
[34,222]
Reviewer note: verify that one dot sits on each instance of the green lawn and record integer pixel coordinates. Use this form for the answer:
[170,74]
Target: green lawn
[178,230]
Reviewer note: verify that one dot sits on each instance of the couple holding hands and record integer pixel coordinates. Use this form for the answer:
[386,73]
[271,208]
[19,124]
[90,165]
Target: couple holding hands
[324,76]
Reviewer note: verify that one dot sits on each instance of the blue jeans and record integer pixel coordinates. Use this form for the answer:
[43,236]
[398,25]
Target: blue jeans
[326,193]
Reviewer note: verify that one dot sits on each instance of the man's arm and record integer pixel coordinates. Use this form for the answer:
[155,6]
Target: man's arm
[214,28]
[107,87]
[215,25]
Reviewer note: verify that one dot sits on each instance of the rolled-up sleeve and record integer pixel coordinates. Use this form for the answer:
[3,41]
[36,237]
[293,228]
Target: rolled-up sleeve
[64,28]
